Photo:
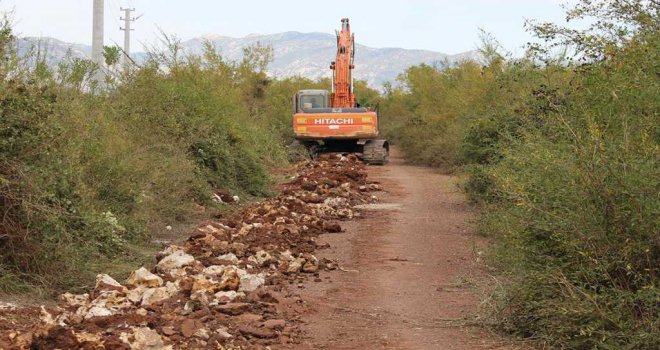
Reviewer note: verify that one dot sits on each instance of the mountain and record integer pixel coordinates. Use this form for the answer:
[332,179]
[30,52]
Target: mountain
[295,54]
[54,49]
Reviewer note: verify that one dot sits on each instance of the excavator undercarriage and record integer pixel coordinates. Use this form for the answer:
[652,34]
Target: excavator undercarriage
[370,151]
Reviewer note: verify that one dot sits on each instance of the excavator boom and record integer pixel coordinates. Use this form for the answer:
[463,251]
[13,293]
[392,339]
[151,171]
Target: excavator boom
[342,68]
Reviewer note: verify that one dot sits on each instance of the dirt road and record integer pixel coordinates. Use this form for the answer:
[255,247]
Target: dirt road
[411,274]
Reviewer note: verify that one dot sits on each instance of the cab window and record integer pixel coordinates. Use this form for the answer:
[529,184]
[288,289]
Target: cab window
[312,101]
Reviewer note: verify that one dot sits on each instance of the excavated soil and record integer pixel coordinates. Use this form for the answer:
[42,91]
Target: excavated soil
[333,262]
[231,285]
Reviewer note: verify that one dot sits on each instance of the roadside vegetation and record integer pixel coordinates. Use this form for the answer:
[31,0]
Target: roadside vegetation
[89,174]
[560,149]
[561,152]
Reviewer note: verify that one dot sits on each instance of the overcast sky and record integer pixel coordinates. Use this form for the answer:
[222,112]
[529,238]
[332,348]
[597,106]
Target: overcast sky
[449,26]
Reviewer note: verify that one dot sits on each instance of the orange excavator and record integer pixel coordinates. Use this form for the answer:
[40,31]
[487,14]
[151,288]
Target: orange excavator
[332,122]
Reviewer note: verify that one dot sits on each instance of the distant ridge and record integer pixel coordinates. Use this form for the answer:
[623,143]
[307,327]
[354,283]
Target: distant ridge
[295,54]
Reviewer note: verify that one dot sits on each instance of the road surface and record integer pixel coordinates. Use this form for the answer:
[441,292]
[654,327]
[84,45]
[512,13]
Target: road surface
[412,275]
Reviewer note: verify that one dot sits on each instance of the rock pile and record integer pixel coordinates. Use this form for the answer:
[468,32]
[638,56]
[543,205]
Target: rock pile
[224,288]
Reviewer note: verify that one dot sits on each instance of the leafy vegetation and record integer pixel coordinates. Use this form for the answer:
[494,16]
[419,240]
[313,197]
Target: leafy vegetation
[88,173]
[560,149]
[561,152]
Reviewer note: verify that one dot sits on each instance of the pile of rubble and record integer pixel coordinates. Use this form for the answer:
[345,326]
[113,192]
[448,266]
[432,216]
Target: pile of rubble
[226,287]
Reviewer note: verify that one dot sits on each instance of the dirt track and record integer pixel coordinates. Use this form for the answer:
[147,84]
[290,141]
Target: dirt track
[411,271]
[409,275]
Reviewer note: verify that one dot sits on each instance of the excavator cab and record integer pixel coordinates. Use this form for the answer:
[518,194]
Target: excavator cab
[306,101]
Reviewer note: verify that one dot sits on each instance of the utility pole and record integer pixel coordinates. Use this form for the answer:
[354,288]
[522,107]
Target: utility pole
[97,39]
[127,34]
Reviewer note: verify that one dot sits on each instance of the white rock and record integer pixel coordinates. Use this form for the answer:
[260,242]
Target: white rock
[46,317]
[200,297]
[209,229]
[188,307]
[113,300]
[155,295]
[216,198]
[245,229]
[176,260]
[235,269]
[344,213]
[236,199]
[8,306]
[202,333]
[75,299]
[286,255]
[84,337]
[227,296]
[135,295]
[105,282]
[142,277]
[178,273]
[251,282]
[263,258]
[296,265]
[222,332]
[223,226]
[168,250]
[214,270]
[97,311]
[144,338]
[335,202]
[231,257]
[253,260]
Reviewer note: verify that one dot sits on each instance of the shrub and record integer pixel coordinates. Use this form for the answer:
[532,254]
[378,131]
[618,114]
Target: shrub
[88,174]
[561,154]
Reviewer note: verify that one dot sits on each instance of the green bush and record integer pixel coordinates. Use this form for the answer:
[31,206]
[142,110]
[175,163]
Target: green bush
[561,153]
[89,173]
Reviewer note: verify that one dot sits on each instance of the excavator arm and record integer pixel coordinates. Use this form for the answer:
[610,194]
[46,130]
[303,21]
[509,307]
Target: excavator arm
[342,68]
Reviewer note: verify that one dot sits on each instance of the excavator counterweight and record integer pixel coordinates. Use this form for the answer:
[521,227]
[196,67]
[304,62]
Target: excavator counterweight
[333,122]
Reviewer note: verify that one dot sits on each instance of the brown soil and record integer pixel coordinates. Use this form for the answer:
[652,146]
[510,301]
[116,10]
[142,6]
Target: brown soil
[411,274]
[223,288]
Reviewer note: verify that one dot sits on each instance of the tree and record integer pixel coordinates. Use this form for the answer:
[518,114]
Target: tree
[111,54]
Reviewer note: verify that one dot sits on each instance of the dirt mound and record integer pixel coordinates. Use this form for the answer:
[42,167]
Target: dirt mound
[225,288]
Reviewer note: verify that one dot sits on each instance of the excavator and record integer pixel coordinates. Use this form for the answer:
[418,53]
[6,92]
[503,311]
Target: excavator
[334,122]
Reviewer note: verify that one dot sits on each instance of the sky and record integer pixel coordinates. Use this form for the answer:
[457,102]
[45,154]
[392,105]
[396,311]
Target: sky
[448,26]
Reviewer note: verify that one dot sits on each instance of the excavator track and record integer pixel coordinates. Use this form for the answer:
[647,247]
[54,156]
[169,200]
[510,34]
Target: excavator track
[376,152]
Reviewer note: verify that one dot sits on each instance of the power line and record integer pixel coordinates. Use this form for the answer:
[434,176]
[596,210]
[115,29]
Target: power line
[115,4]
